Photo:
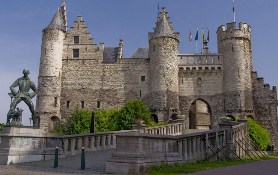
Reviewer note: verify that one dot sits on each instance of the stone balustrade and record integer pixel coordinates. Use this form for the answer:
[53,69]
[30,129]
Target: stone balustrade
[171,129]
[136,152]
[72,144]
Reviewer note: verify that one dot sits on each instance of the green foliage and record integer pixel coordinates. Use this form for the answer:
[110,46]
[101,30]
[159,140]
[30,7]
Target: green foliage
[79,122]
[1,126]
[134,109]
[105,120]
[258,134]
[192,167]
[153,124]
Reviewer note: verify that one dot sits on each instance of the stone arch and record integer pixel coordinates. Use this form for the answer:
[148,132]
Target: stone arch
[155,118]
[231,117]
[53,122]
[200,115]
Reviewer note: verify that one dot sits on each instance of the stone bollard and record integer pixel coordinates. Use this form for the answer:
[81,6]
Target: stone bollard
[83,159]
[56,158]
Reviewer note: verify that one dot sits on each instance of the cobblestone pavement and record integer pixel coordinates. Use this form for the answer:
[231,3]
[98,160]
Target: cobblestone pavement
[263,167]
[95,164]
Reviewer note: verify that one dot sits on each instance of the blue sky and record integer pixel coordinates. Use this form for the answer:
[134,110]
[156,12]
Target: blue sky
[131,20]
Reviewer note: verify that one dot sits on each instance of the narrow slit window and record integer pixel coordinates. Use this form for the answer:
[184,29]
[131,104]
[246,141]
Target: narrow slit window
[55,101]
[98,104]
[68,104]
[82,104]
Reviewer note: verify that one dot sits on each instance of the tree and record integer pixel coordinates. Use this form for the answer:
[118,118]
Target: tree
[104,120]
[258,134]
[79,122]
[134,109]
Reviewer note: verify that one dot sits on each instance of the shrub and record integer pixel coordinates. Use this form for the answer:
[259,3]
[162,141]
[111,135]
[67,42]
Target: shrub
[79,122]
[134,109]
[1,126]
[258,134]
[104,120]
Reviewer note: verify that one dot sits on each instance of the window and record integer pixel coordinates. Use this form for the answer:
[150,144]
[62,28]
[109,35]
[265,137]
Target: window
[68,104]
[98,104]
[143,78]
[76,39]
[55,101]
[82,104]
[75,53]
[140,93]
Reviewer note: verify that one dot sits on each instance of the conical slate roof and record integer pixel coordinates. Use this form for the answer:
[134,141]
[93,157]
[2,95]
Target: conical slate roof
[163,25]
[57,22]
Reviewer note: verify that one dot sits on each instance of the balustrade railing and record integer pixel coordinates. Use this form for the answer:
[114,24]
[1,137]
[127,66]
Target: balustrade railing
[170,129]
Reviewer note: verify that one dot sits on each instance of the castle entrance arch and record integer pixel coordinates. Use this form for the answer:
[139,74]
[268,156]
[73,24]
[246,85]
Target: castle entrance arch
[199,115]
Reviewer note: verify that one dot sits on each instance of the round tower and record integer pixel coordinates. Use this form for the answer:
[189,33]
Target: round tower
[49,81]
[163,50]
[235,46]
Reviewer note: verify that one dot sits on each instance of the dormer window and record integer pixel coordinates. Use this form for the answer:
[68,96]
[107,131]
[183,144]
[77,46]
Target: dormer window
[76,40]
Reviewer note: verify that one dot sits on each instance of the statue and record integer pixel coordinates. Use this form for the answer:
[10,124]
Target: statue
[24,85]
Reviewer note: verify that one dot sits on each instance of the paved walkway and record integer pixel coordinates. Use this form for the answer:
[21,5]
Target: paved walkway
[263,167]
[95,164]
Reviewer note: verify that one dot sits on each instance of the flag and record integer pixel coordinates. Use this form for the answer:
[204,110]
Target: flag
[208,36]
[197,35]
[203,35]
[190,35]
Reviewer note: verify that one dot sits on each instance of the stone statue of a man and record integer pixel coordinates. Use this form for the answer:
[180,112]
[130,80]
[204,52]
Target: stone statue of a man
[24,85]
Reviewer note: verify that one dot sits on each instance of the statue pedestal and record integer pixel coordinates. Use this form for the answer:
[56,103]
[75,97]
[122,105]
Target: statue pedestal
[23,144]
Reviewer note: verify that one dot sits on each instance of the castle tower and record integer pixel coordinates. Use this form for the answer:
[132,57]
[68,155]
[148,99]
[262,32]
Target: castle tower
[49,81]
[235,45]
[163,50]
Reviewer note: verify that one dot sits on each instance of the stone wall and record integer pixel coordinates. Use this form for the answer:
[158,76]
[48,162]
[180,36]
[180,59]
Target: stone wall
[235,45]
[49,88]
[107,85]
[265,105]
[164,75]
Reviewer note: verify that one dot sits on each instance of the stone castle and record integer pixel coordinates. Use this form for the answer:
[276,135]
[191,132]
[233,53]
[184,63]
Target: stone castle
[200,88]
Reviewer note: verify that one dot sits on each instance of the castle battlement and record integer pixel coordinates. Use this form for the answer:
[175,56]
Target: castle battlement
[243,31]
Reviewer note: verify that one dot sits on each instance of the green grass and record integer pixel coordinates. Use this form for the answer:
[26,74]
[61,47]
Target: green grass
[195,167]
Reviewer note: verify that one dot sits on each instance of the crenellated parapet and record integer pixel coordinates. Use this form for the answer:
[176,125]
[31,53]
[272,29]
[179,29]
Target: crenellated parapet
[231,31]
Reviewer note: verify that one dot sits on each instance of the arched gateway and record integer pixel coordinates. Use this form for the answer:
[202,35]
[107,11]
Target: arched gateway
[199,115]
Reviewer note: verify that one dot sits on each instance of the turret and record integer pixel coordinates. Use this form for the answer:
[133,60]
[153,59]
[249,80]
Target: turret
[235,45]
[49,81]
[163,50]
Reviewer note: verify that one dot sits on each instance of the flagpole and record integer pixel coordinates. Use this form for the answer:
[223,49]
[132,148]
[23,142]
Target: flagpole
[196,46]
[234,11]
